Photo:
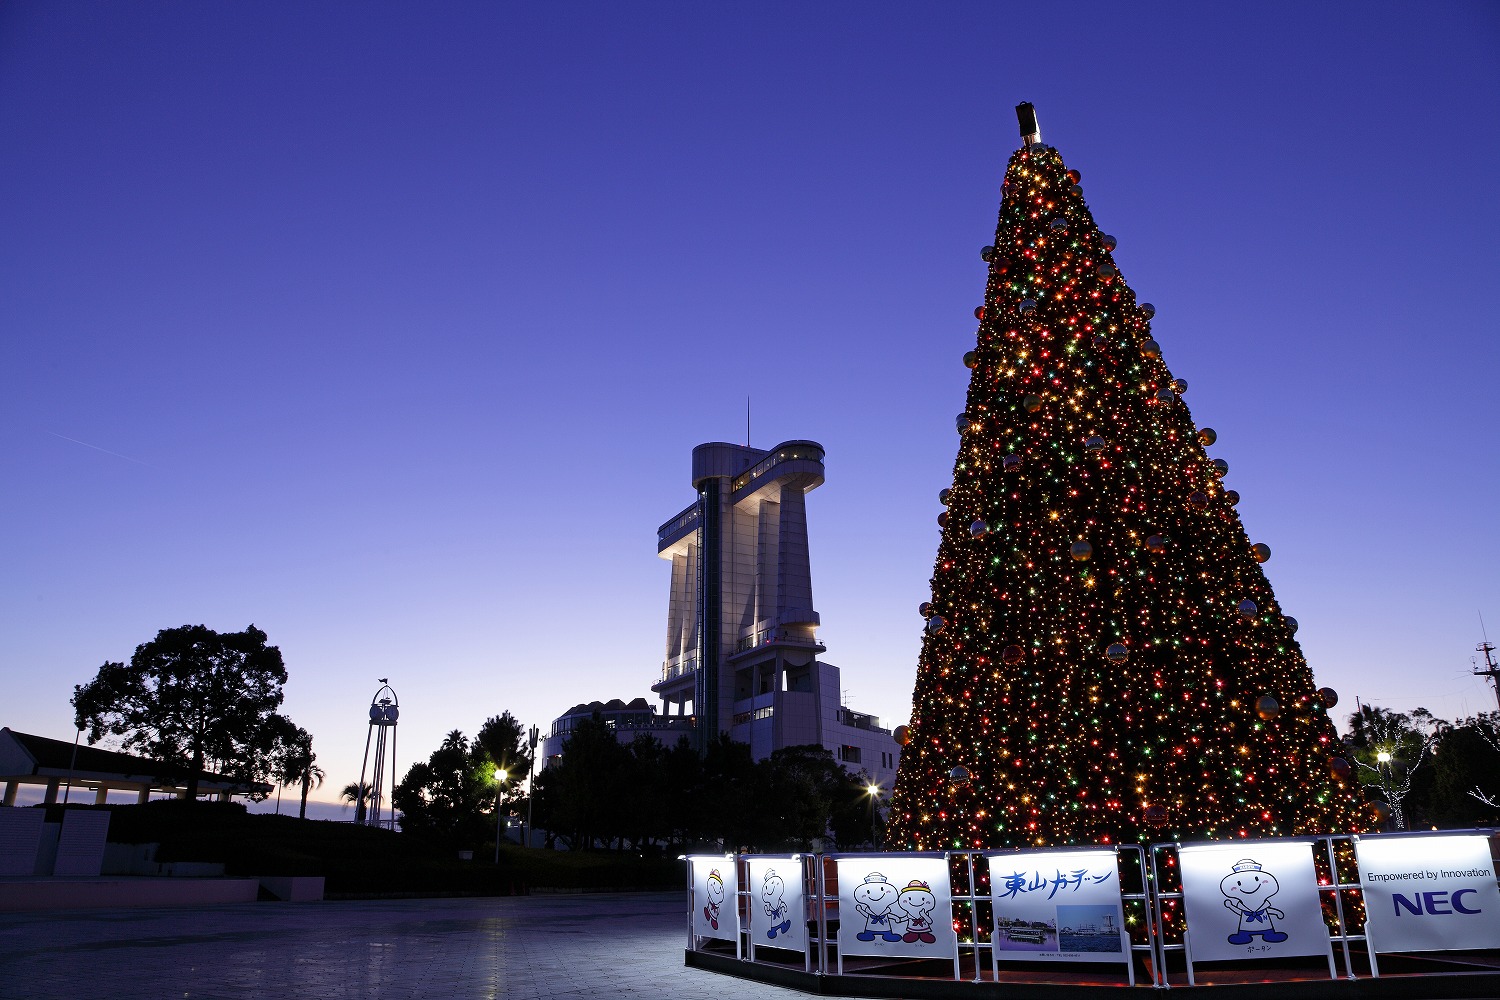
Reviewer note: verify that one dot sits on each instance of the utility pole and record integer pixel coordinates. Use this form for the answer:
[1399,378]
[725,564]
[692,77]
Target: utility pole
[1487,649]
[532,736]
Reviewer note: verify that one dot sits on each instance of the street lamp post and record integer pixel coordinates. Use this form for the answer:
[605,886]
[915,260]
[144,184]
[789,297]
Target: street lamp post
[531,783]
[500,776]
[874,792]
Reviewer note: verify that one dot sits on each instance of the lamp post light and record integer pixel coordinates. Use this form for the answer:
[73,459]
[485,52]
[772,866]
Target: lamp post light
[500,776]
[874,793]
[531,735]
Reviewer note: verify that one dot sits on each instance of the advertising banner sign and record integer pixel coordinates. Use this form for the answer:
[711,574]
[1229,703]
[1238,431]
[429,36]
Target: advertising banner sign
[1058,906]
[778,908]
[1252,899]
[1429,893]
[896,906]
[715,904]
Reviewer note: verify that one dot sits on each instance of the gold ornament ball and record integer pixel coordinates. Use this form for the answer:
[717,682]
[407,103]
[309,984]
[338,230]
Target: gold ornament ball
[1328,696]
[903,735]
[971,359]
[1156,544]
[959,775]
[1081,551]
[1031,403]
[1267,707]
[1261,551]
[1151,349]
[1117,653]
[1094,445]
[1207,436]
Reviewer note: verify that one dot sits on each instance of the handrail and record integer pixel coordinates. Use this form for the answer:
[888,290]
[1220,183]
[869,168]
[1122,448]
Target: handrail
[790,451]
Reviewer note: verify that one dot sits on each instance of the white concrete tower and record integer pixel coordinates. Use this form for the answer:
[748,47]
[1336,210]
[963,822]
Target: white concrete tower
[741,628]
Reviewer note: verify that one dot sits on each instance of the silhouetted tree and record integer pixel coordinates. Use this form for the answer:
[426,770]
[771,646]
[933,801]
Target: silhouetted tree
[192,697]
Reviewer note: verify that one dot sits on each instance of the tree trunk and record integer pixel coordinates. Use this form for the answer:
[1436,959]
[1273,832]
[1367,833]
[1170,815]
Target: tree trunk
[192,787]
[302,810]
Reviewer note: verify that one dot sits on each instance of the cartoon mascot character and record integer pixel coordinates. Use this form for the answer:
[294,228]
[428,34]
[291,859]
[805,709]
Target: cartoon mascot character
[772,897]
[715,898]
[1247,890]
[919,902]
[875,898]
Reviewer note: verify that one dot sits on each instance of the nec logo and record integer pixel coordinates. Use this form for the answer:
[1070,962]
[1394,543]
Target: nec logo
[1433,903]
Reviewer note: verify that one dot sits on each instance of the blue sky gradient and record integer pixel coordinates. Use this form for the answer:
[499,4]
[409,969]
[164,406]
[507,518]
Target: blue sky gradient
[390,328]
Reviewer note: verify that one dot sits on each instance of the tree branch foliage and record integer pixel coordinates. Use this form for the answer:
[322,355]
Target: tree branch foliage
[191,697]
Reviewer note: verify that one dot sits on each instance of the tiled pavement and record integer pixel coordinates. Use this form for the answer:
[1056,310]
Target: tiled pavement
[517,948]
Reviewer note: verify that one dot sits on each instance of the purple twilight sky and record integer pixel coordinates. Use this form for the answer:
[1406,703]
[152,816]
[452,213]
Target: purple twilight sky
[390,328]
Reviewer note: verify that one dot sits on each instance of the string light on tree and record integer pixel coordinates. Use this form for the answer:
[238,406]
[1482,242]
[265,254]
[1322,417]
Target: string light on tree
[1103,658]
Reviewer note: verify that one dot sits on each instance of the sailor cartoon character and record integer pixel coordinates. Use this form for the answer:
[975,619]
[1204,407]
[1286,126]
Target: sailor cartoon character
[1247,890]
[918,902]
[715,898]
[875,899]
[772,898]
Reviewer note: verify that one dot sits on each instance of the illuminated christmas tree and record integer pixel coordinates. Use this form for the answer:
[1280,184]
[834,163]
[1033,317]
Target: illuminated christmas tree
[1104,660]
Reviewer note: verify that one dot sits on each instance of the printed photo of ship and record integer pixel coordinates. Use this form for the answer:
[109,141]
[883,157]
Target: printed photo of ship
[1025,935]
[1078,929]
[1089,928]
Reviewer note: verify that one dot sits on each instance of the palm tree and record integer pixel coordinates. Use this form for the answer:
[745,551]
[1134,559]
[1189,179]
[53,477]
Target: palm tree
[299,766]
[357,794]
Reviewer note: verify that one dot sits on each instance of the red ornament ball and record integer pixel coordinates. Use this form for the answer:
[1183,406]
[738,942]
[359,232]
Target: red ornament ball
[1011,463]
[903,735]
[1031,403]
[1339,768]
[1328,696]
[1198,500]
[1081,551]
[1074,176]
[1156,544]
[979,313]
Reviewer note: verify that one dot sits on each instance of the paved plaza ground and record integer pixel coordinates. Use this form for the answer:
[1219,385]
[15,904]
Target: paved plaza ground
[517,948]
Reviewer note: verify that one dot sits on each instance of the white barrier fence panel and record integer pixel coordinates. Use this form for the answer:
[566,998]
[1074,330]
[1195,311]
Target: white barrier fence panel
[1429,892]
[777,902]
[1058,906]
[1252,899]
[895,906]
[715,910]
[1260,901]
